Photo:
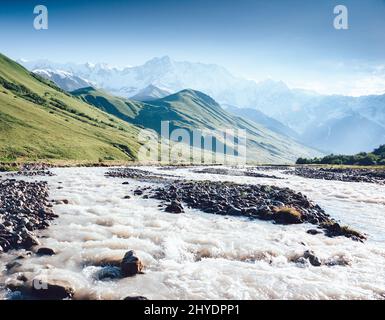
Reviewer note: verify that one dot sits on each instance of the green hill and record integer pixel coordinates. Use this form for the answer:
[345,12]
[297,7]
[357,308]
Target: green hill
[192,109]
[40,121]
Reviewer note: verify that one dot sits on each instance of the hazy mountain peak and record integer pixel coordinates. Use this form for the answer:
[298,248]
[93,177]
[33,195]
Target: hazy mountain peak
[159,61]
[151,92]
[63,79]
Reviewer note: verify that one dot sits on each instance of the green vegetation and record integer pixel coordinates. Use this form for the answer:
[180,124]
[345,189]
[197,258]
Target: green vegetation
[38,121]
[189,109]
[377,157]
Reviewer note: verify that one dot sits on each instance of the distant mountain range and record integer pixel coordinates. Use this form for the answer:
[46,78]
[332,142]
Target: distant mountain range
[164,73]
[261,118]
[323,122]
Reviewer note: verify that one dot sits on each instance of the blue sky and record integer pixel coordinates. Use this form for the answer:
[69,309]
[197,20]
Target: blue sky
[293,41]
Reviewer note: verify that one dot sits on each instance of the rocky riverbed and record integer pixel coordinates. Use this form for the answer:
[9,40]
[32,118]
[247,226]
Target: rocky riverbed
[24,208]
[231,172]
[117,236]
[281,205]
[340,174]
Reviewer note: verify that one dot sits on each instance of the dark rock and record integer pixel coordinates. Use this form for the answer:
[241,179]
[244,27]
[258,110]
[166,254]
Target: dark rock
[109,273]
[63,201]
[45,252]
[131,265]
[22,277]
[138,192]
[314,261]
[174,207]
[12,265]
[287,216]
[135,298]
[233,211]
[29,240]
[52,290]
[127,197]
[5,245]
[313,231]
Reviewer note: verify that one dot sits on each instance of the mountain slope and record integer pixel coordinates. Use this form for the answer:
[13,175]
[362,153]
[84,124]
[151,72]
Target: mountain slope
[40,121]
[349,134]
[191,110]
[149,93]
[122,108]
[262,119]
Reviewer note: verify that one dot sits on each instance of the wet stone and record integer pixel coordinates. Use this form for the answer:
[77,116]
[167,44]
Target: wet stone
[131,264]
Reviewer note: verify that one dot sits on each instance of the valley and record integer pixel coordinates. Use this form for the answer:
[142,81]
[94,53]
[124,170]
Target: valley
[194,254]
[323,122]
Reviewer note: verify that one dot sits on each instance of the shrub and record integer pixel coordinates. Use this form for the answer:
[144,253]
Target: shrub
[362,158]
[21,91]
[287,215]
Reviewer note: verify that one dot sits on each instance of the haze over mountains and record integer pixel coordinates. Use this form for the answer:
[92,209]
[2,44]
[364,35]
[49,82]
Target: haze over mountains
[38,120]
[323,122]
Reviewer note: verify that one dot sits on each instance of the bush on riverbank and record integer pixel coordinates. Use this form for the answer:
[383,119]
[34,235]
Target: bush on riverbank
[377,157]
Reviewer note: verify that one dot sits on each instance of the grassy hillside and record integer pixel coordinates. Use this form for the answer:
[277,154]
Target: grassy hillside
[40,121]
[192,109]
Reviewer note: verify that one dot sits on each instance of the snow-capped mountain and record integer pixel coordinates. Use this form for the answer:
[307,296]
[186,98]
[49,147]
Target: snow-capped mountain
[63,79]
[163,73]
[297,109]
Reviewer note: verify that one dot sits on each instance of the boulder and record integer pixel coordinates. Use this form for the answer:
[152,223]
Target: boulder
[314,261]
[29,240]
[174,207]
[131,264]
[108,273]
[52,289]
[45,252]
[313,231]
[287,216]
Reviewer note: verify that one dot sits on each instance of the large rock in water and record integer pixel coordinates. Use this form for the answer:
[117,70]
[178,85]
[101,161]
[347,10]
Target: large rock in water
[131,265]
[45,252]
[52,289]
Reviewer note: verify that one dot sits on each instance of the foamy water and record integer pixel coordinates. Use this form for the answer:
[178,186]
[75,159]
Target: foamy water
[202,256]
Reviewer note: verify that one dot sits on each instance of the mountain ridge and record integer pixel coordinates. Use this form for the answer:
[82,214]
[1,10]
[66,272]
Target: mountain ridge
[190,109]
